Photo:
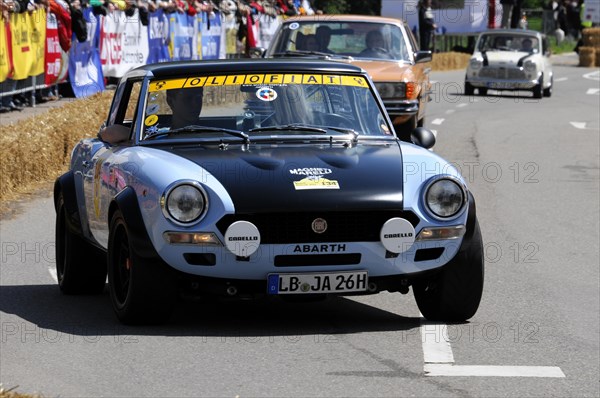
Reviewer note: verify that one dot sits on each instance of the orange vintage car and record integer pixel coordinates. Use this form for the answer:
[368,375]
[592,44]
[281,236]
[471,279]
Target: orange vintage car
[384,47]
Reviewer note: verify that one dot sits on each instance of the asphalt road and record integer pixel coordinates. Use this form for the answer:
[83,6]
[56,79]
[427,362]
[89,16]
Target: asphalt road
[533,166]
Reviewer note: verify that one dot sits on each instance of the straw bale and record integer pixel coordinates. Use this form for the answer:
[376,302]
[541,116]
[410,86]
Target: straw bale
[591,37]
[586,56]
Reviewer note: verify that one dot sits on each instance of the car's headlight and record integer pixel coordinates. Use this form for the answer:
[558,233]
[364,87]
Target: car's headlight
[530,66]
[445,198]
[184,202]
[476,63]
[391,90]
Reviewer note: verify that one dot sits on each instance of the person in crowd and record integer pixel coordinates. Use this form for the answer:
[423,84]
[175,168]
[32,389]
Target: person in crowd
[516,15]
[427,25]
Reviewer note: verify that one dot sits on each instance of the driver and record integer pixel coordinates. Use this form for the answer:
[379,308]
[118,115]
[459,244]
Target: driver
[186,104]
[375,45]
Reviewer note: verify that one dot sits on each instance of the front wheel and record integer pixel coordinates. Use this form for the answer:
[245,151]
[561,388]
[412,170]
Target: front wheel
[482,91]
[454,294]
[142,292]
[469,89]
[548,91]
[538,89]
[80,267]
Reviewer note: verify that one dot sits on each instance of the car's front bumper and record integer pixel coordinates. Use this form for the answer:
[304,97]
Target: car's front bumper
[503,78]
[500,84]
[401,107]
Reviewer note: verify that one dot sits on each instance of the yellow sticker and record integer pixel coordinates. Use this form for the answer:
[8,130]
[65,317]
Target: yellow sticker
[195,82]
[151,120]
[312,79]
[316,183]
[293,79]
[273,79]
[357,81]
[331,79]
[234,80]
[254,79]
[215,81]
[160,85]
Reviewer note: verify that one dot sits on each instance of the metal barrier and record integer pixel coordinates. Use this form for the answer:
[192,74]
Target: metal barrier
[24,86]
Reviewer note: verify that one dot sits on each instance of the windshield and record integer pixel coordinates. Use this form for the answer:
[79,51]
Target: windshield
[508,42]
[259,104]
[365,40]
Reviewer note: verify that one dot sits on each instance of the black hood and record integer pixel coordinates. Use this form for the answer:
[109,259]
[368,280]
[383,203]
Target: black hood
[265,178]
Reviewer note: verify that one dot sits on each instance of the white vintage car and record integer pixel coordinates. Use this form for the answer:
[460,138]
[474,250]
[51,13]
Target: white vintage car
[510,59]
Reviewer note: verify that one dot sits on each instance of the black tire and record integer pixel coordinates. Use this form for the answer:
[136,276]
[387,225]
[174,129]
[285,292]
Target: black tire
[421,122]
[80,266]
[482,91]
[548,91]
[453,295]
[140,292]
[469,89]
[538,89]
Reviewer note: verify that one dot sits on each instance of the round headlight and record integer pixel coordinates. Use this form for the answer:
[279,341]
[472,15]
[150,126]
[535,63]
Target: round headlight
[529,66]
[445,198]
[185,203]
[476,63]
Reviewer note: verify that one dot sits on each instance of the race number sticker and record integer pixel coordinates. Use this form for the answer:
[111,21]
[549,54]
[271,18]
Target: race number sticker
[315,182]
[266,94]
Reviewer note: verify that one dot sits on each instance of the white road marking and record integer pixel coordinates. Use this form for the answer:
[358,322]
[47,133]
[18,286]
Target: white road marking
[433,81]
[439,359]
[592,75]
[434,133]
[435,369]
[561,79]
[593,91]
[438,121]
[436,347]
[578,125]
[52,272]
[450,111]
[461,105]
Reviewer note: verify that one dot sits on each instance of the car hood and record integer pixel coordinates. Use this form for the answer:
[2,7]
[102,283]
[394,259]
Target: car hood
[291,178]
[387,71]
[506,58]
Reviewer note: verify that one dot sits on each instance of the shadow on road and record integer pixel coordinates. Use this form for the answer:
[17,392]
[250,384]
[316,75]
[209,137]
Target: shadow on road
[47,308]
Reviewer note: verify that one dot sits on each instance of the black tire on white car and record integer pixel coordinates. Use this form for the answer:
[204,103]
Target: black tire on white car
[469,89]
[454,294]
[548,90]
[538,88]
[80,267]
[141,292]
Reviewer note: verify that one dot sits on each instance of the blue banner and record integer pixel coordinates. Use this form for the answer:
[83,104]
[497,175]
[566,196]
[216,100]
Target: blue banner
[181,31]
[211,38]
[158,37]
[85,68]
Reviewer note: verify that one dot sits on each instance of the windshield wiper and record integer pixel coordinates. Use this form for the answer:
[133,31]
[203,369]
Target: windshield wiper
[295,127]
[301,53]
[202,129]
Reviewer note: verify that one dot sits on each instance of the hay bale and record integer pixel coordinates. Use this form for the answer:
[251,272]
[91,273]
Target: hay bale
[597,52]
[587,56]
[449,61]
[591,37]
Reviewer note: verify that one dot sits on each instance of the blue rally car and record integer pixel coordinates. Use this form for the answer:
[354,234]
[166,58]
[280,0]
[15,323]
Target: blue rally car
[262,177]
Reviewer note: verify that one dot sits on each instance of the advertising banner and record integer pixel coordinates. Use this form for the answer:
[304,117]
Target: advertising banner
[85,68]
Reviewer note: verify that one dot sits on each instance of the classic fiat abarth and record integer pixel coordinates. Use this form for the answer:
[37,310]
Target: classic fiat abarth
[510,59]
[384,47]
[256,177]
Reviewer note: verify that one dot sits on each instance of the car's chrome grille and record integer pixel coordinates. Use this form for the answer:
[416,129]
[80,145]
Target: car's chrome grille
[503,73]
[281,228]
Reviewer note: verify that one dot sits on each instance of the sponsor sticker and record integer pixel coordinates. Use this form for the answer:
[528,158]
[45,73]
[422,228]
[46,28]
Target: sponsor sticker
[152,109]
[294,25]
[311,171]
[242,238]
[315,182]
[151,120]
[266,94]
[397,235]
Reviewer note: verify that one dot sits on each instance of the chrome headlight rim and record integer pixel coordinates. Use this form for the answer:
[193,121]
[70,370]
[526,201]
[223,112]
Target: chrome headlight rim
[530,66]
[165,197]
[463,205]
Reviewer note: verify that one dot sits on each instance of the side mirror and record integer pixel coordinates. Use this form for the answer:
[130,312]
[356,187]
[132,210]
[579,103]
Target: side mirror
[114,134]
[257,52]
[422,56]
[423,137]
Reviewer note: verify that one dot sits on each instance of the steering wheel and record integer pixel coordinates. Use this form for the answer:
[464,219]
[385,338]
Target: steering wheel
[335,120]
[380,50]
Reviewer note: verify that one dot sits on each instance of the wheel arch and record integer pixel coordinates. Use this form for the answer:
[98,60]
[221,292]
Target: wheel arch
[65,185]
[127,203]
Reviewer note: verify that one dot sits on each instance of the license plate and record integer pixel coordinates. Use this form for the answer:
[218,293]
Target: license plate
[330,282]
